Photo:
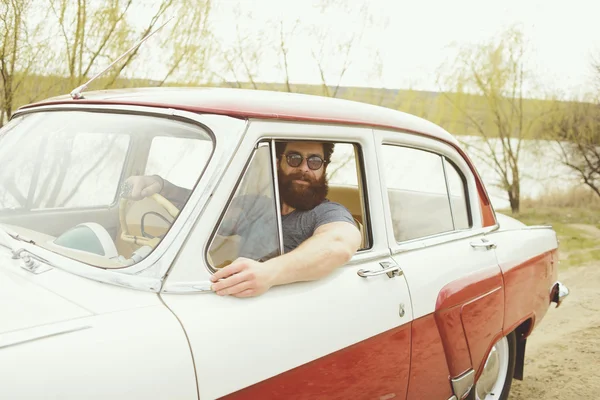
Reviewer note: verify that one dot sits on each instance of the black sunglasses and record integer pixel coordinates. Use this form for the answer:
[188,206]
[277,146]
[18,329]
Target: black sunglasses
[294,160]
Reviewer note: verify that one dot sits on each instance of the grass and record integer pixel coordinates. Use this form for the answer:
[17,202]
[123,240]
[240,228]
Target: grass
[577,246]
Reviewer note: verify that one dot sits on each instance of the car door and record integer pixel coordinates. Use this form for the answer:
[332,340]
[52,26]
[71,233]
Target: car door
[344,336]
[437,238]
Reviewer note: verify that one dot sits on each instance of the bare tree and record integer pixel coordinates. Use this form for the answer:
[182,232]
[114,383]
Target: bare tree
[576,129]
[336,50]
[19,50]
[283,49]
[96,33]
[241,59]
[487,85]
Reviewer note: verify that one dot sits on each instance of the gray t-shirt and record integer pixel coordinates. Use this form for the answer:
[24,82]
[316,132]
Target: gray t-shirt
[298,225]
[256,225]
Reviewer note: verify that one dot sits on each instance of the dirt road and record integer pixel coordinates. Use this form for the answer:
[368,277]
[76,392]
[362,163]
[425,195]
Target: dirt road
[563,354]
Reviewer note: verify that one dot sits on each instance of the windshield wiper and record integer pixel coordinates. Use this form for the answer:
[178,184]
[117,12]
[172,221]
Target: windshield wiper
[7,236]
[31,262]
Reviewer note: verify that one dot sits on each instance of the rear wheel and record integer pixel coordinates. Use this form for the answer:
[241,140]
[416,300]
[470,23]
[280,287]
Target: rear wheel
[496,378]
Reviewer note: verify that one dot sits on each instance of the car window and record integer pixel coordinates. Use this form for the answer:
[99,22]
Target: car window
[346,188]
[178,160]
[417,192]
[80,170]
[249,227]
[63,173]
[458,196]
[342,169]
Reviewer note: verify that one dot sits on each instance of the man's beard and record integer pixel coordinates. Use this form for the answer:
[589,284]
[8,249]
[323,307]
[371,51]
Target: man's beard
[302,197]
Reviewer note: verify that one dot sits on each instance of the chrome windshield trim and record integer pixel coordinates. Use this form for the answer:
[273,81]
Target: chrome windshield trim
[6,239]
[148,274]
[116,277]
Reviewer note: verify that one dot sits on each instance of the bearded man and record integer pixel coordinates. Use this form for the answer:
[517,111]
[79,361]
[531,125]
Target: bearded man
[318,235]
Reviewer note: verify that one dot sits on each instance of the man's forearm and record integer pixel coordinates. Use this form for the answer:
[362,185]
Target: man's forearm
[315,258]
[175,194]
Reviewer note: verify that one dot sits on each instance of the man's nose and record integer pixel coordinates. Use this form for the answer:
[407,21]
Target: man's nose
[304,165]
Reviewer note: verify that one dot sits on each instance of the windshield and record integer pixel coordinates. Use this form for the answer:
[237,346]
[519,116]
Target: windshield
[99,187]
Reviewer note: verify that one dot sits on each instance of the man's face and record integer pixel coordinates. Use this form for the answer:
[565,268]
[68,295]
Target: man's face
[301,187]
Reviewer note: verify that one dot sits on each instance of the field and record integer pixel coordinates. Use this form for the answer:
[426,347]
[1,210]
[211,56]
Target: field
[564,350]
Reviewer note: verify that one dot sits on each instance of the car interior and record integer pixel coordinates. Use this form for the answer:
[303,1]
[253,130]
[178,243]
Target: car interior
[124,231]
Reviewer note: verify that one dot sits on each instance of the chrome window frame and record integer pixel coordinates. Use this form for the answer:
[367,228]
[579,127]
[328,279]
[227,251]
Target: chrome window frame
[339,133]
[444,150]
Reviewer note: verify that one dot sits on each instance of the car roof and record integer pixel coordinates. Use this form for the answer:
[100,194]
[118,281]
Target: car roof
[262,104]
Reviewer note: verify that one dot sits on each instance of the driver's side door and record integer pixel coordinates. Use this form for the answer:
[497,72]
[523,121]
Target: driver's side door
[344,336]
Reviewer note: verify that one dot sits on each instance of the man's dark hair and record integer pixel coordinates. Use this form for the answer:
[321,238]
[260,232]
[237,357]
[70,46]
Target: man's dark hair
[328,148]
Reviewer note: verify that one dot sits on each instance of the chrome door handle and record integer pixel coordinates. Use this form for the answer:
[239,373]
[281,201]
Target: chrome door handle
[389,268]
[483,244]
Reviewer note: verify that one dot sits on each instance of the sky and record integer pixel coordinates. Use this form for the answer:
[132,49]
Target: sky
[413,39]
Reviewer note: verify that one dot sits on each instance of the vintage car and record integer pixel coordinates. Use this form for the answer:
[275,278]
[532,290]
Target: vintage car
[106,297]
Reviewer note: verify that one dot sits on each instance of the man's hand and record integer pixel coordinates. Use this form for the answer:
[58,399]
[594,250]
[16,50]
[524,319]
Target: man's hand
[243,278]
[144,186]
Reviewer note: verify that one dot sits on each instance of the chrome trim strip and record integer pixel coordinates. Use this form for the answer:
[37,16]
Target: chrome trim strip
[368,255]
[443,159]
[276,192]
[463,384]
[149,273]
[445,237]
[453,398]
[20,337]
[187,287]
[534,227]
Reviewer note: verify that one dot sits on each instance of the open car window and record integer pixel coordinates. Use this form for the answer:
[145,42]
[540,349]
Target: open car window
[63,175]
[250,224]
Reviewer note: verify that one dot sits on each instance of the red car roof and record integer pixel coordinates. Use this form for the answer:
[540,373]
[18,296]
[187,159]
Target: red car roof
[245,103]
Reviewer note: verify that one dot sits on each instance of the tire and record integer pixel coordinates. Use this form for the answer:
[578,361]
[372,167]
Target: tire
[503,354]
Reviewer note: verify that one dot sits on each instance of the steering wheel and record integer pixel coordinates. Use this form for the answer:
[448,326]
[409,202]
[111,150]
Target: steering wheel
[126,236]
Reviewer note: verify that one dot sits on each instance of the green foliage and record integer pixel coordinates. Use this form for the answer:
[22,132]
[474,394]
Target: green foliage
[576,228]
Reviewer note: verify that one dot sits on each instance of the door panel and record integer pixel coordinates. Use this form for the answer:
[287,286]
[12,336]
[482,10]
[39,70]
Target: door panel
[435,233]
[529,264]
[344,332]
[446,280]
[342,336]
[428,369]
[342,375]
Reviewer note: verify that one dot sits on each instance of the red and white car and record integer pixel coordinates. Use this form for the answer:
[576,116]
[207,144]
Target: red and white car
[102,297]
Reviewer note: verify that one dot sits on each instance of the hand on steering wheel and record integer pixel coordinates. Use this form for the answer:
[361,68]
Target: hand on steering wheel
[137,188]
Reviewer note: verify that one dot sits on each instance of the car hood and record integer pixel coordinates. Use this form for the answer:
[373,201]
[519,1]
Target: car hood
[26,304]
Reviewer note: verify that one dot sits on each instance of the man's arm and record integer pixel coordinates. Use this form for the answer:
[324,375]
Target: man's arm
[147,185]
[331,246]
[175,194]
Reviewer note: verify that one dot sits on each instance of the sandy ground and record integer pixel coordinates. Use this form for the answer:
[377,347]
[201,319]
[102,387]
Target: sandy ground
[562,359]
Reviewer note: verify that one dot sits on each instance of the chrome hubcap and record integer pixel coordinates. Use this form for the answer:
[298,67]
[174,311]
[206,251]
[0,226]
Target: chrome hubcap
[491,382]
